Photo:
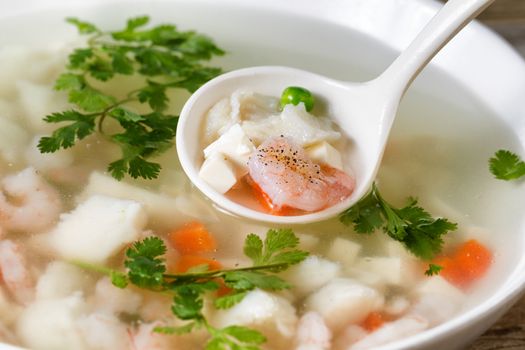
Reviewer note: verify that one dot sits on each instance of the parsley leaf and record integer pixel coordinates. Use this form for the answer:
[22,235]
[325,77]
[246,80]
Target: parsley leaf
[145,263]
[236,337]
[146,269]
[229,300]
[411,225]
[81,126]
[506,165]
[433,269]
[161,58]
[277,249]
[82,26]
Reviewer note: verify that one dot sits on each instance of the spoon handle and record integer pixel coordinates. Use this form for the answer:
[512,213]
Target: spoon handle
[454,15]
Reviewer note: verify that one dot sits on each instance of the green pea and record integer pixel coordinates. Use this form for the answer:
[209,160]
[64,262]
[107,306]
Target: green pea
[296,95]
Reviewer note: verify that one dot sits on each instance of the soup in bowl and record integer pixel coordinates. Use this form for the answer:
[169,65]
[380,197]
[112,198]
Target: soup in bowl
[93,257]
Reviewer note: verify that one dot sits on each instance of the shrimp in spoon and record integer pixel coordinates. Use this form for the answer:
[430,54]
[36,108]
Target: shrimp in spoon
[289,178]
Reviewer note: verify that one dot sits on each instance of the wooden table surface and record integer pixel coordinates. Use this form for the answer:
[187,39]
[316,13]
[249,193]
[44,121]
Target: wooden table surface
[508,18]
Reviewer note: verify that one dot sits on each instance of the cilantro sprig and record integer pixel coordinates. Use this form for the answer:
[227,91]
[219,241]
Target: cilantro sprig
[164,57]
[411,225]
[505,165]
[146,268]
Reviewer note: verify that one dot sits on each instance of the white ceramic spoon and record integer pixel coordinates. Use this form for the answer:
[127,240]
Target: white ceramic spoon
[364,111]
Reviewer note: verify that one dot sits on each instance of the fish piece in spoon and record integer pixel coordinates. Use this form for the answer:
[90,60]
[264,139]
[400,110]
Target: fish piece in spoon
[290,178]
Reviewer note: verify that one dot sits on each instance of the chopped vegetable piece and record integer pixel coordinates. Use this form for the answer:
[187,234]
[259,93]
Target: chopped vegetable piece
[506,165]
[468,264]
[192,238]
[187,262]
[295,95]
[373,321]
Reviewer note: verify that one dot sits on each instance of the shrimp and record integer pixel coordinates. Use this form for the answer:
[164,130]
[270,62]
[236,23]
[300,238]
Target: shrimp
[15,272]
[312,333]
[29,204]
[289,178]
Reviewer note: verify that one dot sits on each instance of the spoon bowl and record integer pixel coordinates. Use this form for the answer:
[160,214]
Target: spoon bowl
[271,80]
[363,111]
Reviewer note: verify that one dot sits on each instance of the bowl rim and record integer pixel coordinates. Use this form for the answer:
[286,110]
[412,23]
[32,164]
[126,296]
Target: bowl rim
[473,45]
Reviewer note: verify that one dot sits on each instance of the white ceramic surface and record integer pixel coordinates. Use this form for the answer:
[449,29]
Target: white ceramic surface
[476,60]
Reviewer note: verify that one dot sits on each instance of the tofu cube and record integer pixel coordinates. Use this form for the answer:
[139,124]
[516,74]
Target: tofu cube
[98,228]
[235,145]
[344,251]
[325,153]
[344,301]
[394,271]
[367,278]
[437,300]
[311,274]
[162,210]
[218,172]
[438,285]
[307,242]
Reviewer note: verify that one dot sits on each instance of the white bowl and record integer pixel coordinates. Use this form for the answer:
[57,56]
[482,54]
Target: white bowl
[477,70]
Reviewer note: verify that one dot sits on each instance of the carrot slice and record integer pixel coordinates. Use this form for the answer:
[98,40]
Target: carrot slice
[373,321]
[192,238]
[474,260]
[265,200]
[450,271]
[468,264]
[186,262]
[223,288]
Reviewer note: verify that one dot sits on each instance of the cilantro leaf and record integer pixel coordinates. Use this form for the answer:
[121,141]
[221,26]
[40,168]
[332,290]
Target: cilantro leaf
[433,270]
[235,337]
[82,26]
[277,249]
[101,69]
[79,58]
[253,246]
[229,300]
[90,99]
[121,63]
[146,269]
[162,58]
[134,23]
[144,262]
[506,165]
[69,81]
[188,303]
[248,280]
[411,225]
[81,126]
[155,95]
[187,328]
[365,215]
